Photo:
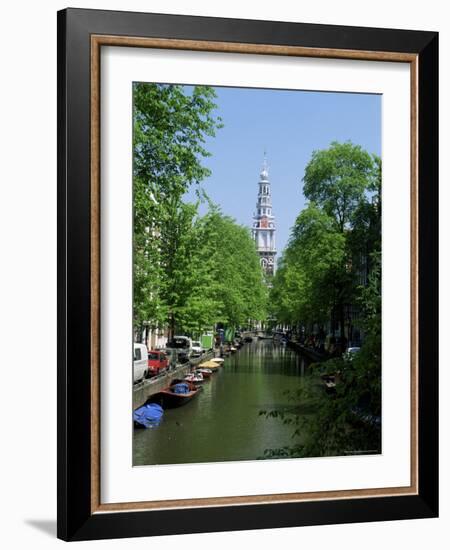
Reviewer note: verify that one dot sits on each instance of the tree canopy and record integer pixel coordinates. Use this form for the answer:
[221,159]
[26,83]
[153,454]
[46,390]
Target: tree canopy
[333,258]
[332,238]
[190,271]
[337,178]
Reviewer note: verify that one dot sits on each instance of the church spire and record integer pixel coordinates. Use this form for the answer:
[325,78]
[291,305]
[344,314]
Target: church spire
[265,169]
[264,222]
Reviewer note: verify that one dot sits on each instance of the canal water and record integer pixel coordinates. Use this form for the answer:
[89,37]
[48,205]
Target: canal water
[223,421]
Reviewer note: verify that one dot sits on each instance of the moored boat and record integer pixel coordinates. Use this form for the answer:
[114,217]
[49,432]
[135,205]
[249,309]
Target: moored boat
[148,416]
[195,377]
[212,365]
[206,373]
[177,394]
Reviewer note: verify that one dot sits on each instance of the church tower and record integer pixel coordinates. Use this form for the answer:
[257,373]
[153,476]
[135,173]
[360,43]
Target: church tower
[264,223]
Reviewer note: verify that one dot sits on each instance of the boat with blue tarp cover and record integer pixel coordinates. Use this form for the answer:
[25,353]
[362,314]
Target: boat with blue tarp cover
[178,393]
[148,416]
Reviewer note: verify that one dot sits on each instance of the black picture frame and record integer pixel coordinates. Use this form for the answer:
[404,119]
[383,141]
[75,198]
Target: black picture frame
[75,518]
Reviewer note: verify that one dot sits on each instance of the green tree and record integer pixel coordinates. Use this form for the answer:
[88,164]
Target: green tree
[348,420]
[243,290]
[330,239]
[202,305]
[337,178]
[312,276]
[365,237]
[190,271]
[170,129]
[232,288]
[333,258]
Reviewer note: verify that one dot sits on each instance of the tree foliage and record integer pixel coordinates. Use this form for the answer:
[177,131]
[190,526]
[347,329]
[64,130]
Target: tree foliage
[332,237]
[169,132]
[190,271]
[170,129]
[243,291]
[347,421]
[221,280]
[337,178]
[334,258]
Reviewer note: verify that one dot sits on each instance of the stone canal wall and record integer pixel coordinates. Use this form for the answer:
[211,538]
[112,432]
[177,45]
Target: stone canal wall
[148,387]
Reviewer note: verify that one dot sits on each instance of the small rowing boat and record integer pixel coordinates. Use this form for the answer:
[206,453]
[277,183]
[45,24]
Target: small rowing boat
[213,365]
[206,373]
[177,394]
[195,377]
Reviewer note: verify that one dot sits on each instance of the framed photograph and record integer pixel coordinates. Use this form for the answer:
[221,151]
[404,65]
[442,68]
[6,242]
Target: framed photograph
[247,254]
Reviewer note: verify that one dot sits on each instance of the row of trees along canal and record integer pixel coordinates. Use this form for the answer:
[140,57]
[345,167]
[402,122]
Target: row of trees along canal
[333,260]
[191,271]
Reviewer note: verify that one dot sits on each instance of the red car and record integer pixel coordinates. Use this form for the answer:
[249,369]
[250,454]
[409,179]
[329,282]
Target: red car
[157,362]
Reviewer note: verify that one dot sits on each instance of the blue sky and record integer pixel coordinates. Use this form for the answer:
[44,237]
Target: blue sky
[290,125]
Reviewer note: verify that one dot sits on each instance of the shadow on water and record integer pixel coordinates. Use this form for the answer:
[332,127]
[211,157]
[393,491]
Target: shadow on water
[224,422]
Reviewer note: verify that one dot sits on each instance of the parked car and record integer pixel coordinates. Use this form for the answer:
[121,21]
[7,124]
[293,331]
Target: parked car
[157,362]
[140,362]
[196,349]
[182,345]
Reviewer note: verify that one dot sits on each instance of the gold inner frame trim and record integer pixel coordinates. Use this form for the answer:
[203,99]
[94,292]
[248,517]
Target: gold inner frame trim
[97,41]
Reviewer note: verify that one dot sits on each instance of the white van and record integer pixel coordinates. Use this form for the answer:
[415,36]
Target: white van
[140,362]
[183,347]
